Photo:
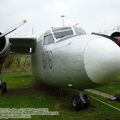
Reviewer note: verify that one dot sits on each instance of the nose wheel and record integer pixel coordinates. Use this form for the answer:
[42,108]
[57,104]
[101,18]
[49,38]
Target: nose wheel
[81,101]
[3,87]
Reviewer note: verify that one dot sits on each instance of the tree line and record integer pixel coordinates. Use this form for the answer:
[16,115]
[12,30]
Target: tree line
[17,61]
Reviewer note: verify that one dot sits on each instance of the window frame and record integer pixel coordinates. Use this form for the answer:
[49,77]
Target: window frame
[63,30]
[48,41]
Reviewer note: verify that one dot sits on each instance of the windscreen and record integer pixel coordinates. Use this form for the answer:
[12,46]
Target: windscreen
[79,31]
[62,32]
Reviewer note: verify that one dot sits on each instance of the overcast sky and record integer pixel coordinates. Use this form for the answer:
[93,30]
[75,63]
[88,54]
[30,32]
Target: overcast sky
[91,15]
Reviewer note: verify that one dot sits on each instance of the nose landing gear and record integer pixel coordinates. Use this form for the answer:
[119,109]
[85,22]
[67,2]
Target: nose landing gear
[3,88]
[81,101]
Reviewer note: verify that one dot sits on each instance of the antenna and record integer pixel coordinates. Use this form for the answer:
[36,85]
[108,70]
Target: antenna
[62,16]
[32,31]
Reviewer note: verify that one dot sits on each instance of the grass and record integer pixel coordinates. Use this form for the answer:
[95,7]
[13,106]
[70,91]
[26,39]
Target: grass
[112,88]
[18,79]
[21,94]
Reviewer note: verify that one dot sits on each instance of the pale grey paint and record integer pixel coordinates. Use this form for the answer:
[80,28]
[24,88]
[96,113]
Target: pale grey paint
[69,67]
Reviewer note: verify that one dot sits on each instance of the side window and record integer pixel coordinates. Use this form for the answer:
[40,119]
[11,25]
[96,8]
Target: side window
[48,39]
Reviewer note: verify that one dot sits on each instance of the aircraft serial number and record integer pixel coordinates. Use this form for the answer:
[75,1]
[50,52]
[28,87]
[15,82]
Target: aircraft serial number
[47,59]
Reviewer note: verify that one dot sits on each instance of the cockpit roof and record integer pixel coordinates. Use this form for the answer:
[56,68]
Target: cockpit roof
[61,33]
[60,29]
[75,29]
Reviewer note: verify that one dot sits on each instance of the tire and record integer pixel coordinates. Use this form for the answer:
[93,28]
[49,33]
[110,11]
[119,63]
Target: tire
[78,104]
[4,88]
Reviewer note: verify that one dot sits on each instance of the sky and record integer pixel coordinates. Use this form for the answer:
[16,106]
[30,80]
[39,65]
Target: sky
[41,15]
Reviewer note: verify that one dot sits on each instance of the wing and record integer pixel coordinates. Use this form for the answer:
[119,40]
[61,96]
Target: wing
[22,45]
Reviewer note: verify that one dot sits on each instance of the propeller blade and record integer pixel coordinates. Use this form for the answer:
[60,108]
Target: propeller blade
[13,28]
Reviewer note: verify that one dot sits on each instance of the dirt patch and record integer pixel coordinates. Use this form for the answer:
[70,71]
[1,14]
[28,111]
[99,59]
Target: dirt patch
[22,90]
[26,69]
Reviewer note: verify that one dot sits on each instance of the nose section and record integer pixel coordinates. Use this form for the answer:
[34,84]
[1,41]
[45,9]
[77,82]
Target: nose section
[102,60]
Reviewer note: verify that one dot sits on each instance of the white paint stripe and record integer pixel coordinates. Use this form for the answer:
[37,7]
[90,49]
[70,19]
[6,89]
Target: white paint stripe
[99,93]
[106,103]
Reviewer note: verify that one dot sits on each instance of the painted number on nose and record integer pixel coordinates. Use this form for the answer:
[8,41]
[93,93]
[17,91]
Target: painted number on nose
[47,59]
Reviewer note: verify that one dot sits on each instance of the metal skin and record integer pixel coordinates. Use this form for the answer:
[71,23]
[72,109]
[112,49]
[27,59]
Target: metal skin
[80,62]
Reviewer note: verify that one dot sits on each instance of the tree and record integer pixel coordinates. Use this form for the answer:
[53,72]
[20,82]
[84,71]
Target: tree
[9,61]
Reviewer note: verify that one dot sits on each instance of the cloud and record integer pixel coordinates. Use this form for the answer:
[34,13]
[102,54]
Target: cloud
[93,15]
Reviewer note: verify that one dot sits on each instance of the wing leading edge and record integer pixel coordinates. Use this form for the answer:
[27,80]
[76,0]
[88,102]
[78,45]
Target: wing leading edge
[22,45]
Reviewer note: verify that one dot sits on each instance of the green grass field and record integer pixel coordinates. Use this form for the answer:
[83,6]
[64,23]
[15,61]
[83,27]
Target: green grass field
[112,88]
[22,94]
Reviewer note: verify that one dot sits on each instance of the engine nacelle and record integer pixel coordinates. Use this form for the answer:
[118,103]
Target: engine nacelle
[4,41]
[116,36]
[4,48]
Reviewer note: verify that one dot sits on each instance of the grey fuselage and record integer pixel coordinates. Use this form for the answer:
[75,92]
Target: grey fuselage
[62,63]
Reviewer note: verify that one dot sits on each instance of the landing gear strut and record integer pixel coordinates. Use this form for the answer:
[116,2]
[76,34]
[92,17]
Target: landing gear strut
[3,85]
[81,101]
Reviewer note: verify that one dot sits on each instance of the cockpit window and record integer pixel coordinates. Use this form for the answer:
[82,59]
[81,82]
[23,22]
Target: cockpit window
[79,31]
[48,39]
[62,32]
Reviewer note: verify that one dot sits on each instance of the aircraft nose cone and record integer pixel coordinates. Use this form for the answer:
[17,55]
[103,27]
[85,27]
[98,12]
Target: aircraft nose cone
[102,60]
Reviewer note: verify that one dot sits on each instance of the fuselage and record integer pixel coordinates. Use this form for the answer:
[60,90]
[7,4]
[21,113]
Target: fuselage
[76,61]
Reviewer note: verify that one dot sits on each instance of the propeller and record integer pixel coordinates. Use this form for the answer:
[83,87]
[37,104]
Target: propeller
[12,28]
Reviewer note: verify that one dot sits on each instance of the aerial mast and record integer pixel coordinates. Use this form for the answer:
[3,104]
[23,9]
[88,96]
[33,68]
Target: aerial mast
[62,16]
